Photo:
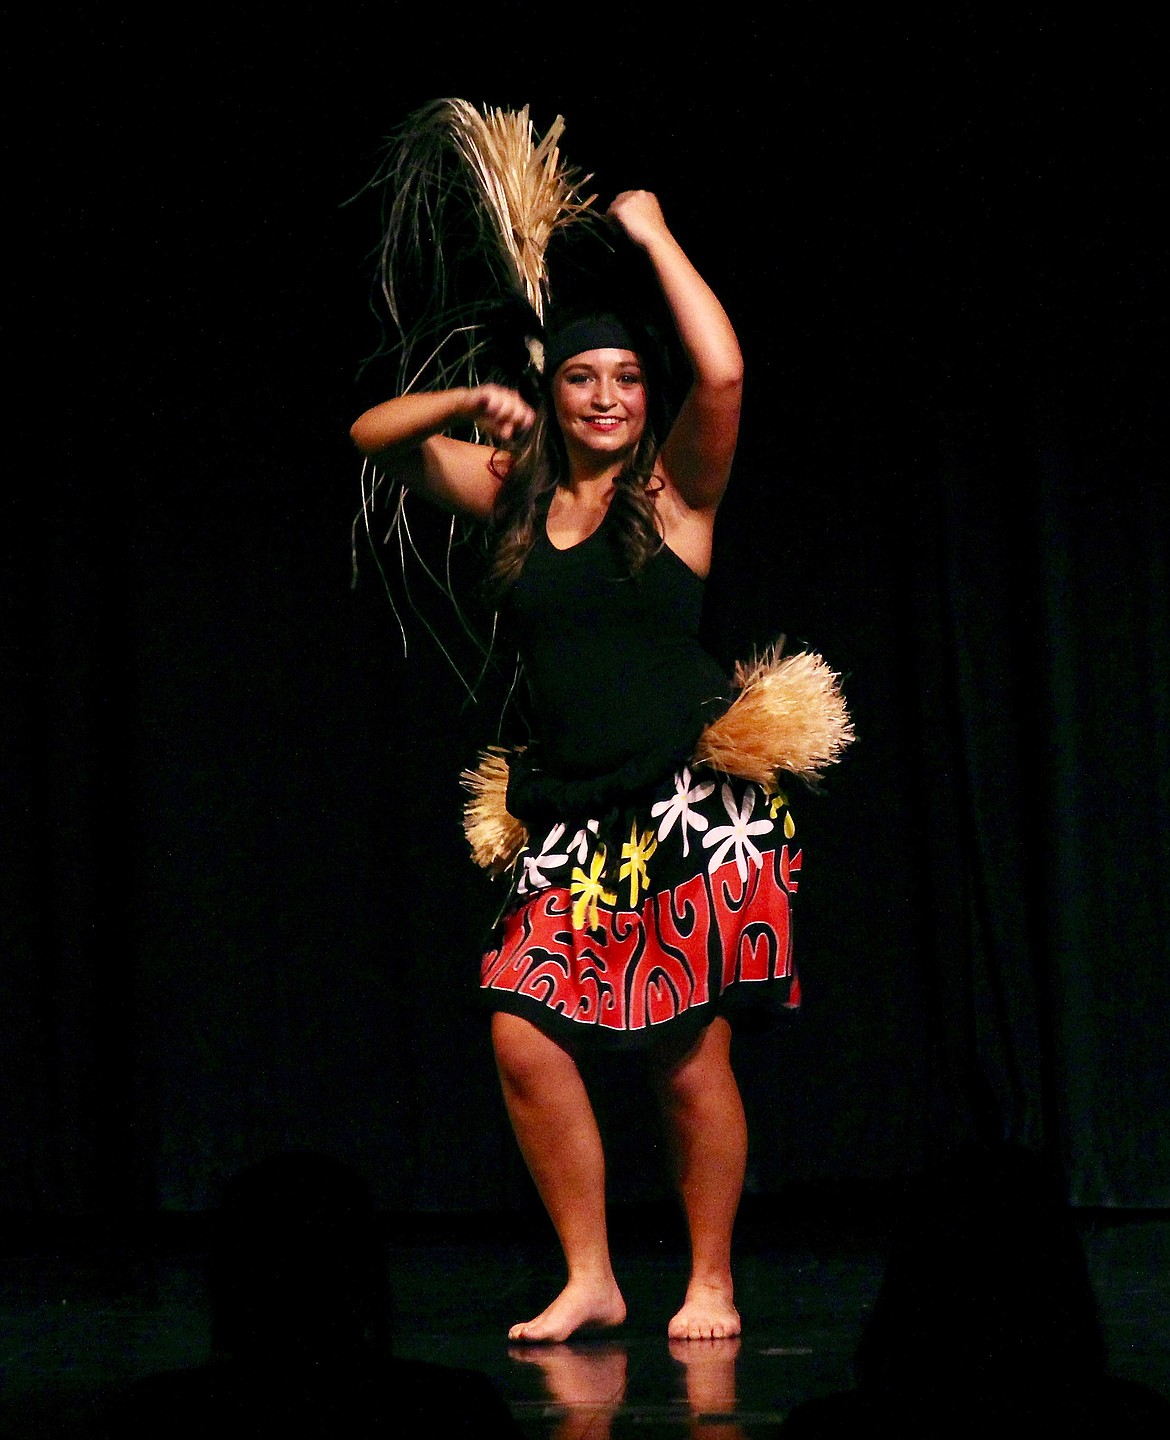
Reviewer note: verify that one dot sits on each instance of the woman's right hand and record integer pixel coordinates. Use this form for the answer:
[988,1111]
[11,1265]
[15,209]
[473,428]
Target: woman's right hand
[500,413]
[639,214]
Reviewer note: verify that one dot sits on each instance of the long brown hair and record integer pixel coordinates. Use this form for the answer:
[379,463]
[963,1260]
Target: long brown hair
[534,470]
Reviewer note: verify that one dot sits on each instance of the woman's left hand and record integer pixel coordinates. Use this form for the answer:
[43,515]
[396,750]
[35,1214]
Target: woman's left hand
[639,215]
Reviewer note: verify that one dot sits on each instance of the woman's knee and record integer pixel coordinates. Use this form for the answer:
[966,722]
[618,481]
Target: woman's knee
[526,1057]
[706,1066]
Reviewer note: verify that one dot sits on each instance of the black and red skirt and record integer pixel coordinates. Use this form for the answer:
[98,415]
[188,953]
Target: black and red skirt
[664,912]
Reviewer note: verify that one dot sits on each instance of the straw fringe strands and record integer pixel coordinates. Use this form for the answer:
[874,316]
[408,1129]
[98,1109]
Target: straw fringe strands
[524,186]
[789,715]
[470,197]
[495,837]
[469,203]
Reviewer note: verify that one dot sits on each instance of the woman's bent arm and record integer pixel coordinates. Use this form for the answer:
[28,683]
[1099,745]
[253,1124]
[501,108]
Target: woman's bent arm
[698,452]
[404,435]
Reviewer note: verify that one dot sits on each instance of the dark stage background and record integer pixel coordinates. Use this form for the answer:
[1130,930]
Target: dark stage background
[237,912]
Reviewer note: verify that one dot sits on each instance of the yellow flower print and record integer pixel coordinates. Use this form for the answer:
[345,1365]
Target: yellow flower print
[587,890]
[775,805]
[635,852]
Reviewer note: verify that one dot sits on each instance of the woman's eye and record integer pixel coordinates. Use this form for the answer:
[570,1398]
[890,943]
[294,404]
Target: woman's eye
[630,379]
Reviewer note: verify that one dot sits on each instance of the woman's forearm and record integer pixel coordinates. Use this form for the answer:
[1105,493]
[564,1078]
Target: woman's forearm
[703,327]
[406,421]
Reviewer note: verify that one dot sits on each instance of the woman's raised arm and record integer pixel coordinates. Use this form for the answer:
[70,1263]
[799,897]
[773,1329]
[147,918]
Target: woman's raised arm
[697,455]
[404,436]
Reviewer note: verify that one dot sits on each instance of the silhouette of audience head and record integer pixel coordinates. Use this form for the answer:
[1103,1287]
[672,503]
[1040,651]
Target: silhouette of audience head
[985,1322]
[300,1312]
[986,1284]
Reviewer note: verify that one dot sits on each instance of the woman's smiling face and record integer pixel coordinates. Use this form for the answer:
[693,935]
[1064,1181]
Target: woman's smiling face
[600,401]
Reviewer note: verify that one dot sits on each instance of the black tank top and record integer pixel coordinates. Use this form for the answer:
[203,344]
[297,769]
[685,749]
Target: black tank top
[620,684]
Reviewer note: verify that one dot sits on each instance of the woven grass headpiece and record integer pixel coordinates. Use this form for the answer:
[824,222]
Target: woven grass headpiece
[472,199]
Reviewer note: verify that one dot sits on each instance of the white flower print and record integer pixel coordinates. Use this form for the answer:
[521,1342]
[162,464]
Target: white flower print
[534,864]
[737,834]
[679,808]
[580,841]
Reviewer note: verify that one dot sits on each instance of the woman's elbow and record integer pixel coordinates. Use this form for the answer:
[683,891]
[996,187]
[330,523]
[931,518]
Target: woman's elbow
[365,438]
[725,384]
[725,376]
[733,372]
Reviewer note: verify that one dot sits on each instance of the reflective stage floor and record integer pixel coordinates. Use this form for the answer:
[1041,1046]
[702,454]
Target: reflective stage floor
[89,1312]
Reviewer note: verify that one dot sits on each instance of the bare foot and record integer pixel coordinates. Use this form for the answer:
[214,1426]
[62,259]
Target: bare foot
[707,1314]
[581,1305]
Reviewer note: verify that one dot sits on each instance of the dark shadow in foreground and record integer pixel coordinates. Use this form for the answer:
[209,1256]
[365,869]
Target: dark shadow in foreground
[301,1312]
[985,1322]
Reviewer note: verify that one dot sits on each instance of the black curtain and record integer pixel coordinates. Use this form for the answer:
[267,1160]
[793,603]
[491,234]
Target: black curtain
[237,911]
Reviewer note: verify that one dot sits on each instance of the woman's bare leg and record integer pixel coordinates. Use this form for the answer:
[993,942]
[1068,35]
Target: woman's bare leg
[558,1137]
[704,1115]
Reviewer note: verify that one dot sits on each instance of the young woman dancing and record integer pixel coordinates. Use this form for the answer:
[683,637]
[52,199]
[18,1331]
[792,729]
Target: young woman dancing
[650,904]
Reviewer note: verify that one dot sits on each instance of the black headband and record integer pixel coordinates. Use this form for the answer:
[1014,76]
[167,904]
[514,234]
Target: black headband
[590,332]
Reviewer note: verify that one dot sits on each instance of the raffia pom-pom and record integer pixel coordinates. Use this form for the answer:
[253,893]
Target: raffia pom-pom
[789,715]
[495,837]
